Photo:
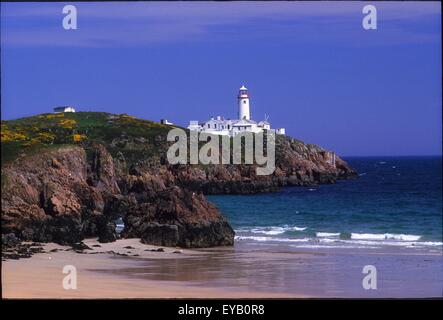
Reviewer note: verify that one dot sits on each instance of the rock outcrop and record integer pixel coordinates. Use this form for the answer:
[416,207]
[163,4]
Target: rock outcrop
[175,216]
[297,164]
[13,248]
[66,191]
[59,196]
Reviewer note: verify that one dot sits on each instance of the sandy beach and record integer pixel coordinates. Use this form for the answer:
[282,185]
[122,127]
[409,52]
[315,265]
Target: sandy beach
[101,274]
[129,269]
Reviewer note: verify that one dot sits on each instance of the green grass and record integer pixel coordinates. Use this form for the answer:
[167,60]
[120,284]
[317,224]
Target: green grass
[135,138]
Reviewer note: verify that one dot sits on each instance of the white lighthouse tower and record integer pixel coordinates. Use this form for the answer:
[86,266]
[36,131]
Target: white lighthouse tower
[243,103]
[232,127]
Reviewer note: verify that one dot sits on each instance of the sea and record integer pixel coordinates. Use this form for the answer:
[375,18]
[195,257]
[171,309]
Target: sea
[394,202]
[320,241]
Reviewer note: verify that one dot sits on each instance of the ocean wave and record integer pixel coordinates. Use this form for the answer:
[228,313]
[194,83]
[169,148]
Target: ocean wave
[319,246]
[326,234]
[408,244]
[271,239]
[369,236]
[271,230]
[384,236]
[425,244]
[332,240]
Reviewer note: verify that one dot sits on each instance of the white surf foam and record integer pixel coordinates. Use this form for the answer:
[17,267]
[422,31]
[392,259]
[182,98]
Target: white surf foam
[384,236]
[332,239]
[271,230]
[320,246]
[427,243]
[326,234]
[336,242]
[270,239]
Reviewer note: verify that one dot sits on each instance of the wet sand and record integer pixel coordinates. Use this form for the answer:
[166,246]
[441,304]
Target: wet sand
[248,270]
[101,274]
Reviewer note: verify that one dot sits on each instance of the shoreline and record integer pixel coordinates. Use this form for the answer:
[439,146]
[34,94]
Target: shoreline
[101,274]
[247,270]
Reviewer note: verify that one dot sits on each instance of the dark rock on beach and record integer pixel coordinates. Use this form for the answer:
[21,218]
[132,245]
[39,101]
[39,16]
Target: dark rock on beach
[176,217]
[13,248]
[80,246]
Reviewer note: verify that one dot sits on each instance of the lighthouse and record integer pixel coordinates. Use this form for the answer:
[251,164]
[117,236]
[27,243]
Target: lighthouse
[243,103]
[232,127]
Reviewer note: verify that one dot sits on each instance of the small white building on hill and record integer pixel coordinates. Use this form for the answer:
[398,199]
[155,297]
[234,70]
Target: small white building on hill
[64,109]
[222,126]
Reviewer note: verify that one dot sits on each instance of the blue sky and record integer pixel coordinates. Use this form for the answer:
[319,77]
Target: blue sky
[310,66]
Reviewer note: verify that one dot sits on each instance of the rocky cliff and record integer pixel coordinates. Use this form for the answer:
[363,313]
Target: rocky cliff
[70,176]
[59,196]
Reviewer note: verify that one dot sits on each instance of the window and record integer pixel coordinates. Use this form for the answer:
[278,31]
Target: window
[244,101]
[209,126]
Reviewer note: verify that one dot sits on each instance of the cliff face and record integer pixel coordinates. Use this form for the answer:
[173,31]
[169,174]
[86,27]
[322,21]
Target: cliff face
[62,190]
[59,196]
[297,164]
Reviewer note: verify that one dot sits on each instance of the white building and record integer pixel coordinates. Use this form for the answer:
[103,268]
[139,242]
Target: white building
[165,121]
[64,109]
[244,123]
